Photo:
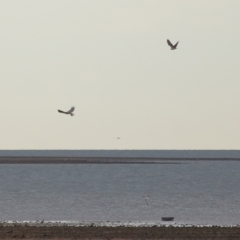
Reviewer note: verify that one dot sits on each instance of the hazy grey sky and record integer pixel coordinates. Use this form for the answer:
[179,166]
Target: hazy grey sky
[110,59]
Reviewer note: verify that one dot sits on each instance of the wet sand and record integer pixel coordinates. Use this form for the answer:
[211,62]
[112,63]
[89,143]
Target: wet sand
[107,233]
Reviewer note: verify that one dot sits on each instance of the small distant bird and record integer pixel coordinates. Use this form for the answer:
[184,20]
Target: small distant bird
[146,199]
[68,112]
[173,47]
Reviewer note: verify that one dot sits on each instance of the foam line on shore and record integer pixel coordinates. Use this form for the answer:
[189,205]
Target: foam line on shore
[105,224]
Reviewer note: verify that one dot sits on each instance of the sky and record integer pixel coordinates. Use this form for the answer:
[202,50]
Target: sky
[110,59]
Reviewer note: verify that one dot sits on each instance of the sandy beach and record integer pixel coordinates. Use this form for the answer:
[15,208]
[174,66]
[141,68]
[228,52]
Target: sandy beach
[73,232]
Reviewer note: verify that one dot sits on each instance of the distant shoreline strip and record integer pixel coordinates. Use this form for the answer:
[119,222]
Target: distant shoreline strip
[104,160]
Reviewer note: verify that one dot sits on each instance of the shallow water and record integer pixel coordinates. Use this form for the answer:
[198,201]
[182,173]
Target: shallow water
[200,192]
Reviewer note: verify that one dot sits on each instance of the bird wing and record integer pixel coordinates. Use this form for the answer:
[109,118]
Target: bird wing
[176,45]
[169,43]
[71,110]
[61,111]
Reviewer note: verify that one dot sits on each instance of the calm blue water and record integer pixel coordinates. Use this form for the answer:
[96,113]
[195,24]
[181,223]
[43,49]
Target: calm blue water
[203,192]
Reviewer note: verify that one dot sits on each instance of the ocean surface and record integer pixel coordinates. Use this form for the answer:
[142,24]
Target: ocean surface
[193,192]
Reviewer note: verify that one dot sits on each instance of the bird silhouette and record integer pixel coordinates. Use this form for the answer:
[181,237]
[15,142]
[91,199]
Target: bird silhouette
[173,47]
[68,112]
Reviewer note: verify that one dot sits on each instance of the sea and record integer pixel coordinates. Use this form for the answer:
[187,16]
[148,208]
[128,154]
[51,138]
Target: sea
[193,191]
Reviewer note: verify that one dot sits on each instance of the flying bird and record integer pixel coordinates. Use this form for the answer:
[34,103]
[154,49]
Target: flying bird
[173,47]
[68,112]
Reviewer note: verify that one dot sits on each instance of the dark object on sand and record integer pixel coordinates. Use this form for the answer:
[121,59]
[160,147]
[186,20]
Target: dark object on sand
[167,218]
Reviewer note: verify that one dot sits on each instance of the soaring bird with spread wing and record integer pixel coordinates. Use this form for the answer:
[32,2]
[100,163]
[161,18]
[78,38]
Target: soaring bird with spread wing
[173,47]
[68,112]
